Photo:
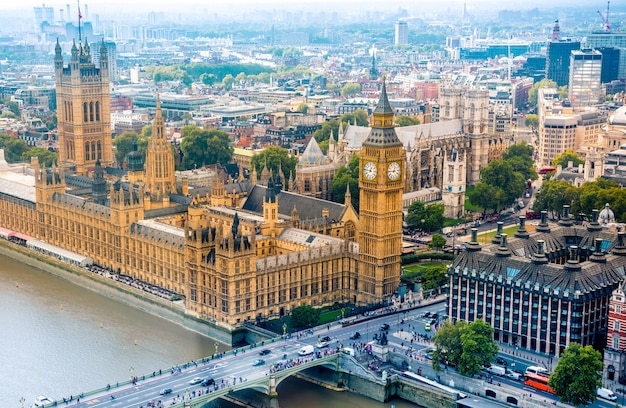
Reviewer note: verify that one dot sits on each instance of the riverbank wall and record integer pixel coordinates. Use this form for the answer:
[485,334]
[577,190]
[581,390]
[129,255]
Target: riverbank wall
[166,309]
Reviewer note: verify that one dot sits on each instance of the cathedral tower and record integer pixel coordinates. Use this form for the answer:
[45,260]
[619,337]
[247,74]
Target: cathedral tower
[453,189]
[160,177]
[83,109]
[381,183]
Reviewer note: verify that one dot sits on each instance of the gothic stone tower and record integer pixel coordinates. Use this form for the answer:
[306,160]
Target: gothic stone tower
[453,189]
[381,182]
[160,176]
[83,108]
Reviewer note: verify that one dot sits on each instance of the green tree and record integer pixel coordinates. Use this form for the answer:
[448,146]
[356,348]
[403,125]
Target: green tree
[359,116]
[350,89]
[45,156]
[274,157]
[520,157]
[207,79]
[347,176]
[205,146]
[13,107]
[578,375]
[532,94]
[487,197]
[469,347]
[425,217]
[302,108]
[500,173]
[532,121]
[406,120]
[146,131]
[304,316]
[227,82]
[13,148]
[564,158]
[554,195]
[123,144]
[437,241]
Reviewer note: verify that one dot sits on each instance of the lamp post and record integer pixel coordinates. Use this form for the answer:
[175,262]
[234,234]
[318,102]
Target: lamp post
[132,370]
[22,401]
[284,329]
[216,347]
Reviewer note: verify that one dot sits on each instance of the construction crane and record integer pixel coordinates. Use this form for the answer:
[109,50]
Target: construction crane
[605,20]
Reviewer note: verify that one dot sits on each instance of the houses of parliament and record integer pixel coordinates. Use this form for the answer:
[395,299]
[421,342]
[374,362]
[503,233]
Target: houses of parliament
[234,259]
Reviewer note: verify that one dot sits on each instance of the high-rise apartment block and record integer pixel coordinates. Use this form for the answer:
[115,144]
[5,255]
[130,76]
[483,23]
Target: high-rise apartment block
[402,33]
[585,70]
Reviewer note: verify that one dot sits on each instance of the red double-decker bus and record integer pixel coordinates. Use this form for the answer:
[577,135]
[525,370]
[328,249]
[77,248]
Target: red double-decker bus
[538,381]
[547,170]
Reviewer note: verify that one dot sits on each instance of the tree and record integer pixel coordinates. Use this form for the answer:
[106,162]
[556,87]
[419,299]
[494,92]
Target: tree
[274,157]
[123,145]
[13,107]
[13,148]
[227,82]
[347,176]
[304,316]
[350,89]
[406,120]
[532,121]
[500,173]
[487,196]
[45,156]
[425,217]
[437,241]
[567,156]
[359,116]
[532,94]
[302,108]
[207,79]
[554,195]
[520,157]
[469,347]
[577,375]
[205,146]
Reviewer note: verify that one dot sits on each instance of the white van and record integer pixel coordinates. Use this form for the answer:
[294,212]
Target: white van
[607,394]
[496,370]
[537,370]
[306,350]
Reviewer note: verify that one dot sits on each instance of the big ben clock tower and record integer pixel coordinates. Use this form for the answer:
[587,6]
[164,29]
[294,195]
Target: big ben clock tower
[381,183]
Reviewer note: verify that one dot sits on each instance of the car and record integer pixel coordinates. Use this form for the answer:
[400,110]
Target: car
[264,352]
[322,344]
[433,321]
[501,361]
[513,375]
[166,391]
[384,327]
[427,314]
[207,381]
[435,315]
[355,336]
[326,338]
[427,327]
[258,362]
[195,380]
[151,403]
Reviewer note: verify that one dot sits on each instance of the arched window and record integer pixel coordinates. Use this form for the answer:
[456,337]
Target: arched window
[85,112]
[93,150]
[86,148]
[91,111]
[97,111]
[99,146]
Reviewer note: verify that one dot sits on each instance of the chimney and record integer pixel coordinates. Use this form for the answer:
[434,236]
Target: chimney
[473,245]
[521,232]
[543,225]
[540,257]
[498,236]
[598,255]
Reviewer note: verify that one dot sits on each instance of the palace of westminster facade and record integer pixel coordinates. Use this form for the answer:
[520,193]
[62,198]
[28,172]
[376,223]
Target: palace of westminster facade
[235,258]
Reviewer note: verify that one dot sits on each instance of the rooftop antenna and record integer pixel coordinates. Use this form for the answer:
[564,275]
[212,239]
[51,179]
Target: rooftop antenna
[80,16]
[605,19]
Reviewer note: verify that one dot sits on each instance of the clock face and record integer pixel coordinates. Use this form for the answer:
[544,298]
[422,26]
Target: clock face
[370,171]
[394,171]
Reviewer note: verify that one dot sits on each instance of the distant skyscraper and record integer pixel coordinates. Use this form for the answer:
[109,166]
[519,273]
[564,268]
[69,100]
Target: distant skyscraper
[611,39]
[402,33]
[558,59]
[585,70]
[610,63]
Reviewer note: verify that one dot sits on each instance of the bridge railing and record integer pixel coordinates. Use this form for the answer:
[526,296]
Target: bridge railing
[203,399]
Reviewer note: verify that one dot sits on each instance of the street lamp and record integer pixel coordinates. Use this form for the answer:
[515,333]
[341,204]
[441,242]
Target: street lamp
[132,369]
[284,329]
[22,401]
[216,347]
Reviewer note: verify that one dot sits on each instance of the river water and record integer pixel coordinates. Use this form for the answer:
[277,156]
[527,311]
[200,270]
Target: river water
[58,339]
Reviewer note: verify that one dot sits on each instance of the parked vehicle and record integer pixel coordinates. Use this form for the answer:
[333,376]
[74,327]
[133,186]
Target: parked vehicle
[606,394]
[501,361]
[306,350]
[496,370]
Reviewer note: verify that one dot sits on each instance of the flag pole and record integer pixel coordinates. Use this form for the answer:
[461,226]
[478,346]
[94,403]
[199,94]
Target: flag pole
[79,18]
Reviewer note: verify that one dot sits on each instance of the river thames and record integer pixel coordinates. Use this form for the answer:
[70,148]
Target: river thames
[59,339]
